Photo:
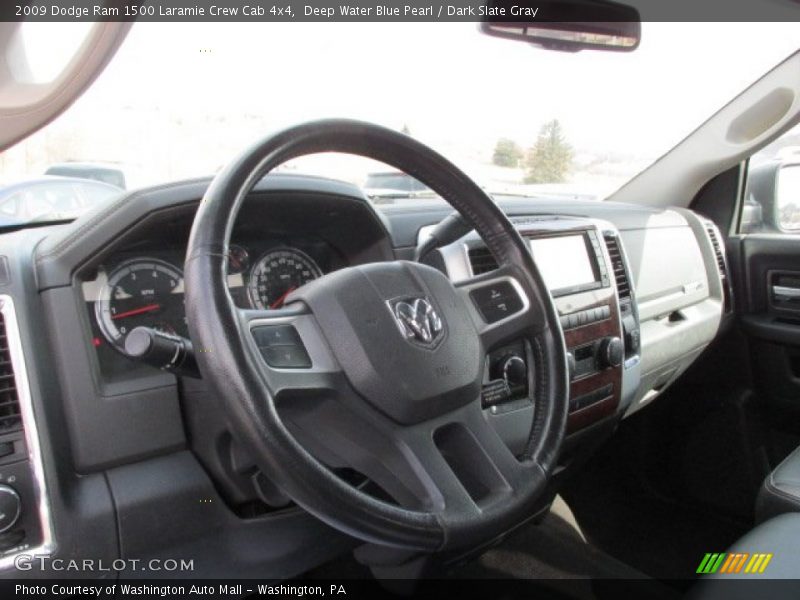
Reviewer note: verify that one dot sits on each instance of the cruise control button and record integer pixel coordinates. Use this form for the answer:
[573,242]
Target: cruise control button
[286,357]
[275,335]
[497,301]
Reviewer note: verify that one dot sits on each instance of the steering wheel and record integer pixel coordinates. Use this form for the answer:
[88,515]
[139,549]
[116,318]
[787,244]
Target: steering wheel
[379,366]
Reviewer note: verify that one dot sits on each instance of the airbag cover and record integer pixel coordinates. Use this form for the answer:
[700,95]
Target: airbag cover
[410,380]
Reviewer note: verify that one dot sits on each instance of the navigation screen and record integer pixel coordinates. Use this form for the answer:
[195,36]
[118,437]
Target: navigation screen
[564,261]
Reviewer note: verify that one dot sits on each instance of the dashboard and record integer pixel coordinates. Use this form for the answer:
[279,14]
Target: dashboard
[639,292]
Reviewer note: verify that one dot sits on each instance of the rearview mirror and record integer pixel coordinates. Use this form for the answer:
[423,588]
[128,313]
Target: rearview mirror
[566,25]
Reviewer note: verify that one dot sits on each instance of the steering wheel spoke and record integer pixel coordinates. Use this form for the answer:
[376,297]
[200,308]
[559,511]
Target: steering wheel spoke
[500,306]
[473,472]
[508,467]
[453,467]
[293,353]
[402,463]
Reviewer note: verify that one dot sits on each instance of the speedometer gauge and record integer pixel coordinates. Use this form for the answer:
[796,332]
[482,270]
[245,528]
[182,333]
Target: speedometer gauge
[142,291]
[277,274]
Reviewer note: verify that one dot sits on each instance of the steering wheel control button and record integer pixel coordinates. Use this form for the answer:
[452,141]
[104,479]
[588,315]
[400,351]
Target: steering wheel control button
[286,357]
[276,335]
[281,347]
[496,301]
[10,507]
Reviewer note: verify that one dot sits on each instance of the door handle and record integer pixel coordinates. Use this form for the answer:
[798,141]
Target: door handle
[785,292]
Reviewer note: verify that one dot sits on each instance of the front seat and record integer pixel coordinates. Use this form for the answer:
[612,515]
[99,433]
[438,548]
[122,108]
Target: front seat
[780,492]
[780,537]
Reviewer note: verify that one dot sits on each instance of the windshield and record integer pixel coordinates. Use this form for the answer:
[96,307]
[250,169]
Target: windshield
[180,100]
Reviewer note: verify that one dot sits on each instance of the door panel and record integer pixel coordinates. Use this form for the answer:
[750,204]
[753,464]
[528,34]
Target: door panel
[769,300]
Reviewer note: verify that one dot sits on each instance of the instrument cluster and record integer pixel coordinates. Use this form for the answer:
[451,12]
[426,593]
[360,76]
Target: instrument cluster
[147,288]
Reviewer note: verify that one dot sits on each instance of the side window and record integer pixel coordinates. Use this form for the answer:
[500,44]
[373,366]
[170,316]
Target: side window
[772,193]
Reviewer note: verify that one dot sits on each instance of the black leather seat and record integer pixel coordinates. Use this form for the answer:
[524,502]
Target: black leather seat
[780,492]
[780,537]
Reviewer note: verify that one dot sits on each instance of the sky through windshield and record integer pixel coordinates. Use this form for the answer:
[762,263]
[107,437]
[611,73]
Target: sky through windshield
[179,100]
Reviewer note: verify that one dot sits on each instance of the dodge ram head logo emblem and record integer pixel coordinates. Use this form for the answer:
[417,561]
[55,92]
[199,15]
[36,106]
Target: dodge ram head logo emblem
[418,321]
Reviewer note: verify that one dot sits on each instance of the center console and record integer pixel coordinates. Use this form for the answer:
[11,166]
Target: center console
[584,267]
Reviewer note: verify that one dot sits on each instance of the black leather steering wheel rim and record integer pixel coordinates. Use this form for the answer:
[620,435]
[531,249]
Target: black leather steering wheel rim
[233,370]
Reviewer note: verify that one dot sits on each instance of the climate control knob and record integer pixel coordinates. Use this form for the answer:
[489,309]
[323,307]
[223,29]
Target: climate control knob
[612,351]
[10,507]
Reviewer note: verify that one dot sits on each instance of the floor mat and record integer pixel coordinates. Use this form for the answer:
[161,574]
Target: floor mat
[555,554]
[640,521]
[552,549]
[550,559]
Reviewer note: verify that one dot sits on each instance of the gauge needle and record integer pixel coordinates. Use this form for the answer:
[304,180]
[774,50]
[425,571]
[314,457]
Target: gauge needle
[137,311]
[280,300]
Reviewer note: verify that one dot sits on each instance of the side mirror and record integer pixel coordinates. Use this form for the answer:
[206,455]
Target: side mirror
[772,202]
[752,217]
[787,197]
[566,25]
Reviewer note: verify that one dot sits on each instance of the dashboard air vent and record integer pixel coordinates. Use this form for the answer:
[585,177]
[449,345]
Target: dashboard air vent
[481,260]
[721,265]
[10,419]
[620,272]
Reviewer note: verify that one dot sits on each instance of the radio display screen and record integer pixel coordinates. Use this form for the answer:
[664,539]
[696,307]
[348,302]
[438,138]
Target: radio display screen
[565,262]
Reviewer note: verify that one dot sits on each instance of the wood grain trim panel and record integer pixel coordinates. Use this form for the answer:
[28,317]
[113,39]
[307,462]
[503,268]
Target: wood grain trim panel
[586,334]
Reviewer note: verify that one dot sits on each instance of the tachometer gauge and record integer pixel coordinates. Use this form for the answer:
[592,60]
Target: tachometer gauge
[142,291]
[277,274]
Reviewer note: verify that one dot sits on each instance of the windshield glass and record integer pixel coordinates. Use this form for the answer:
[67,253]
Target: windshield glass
[179,100]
